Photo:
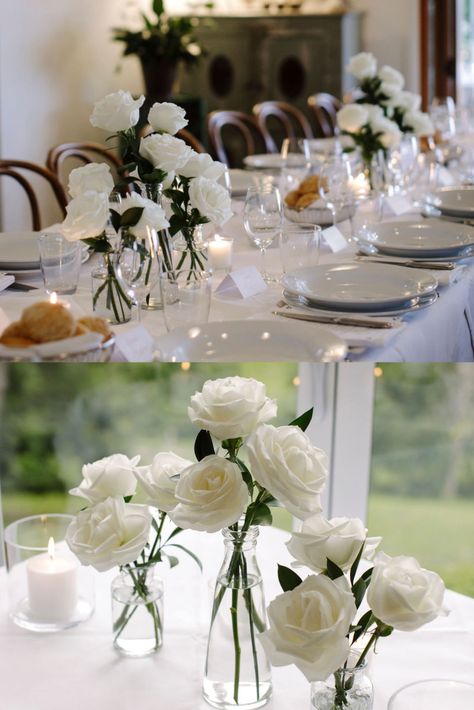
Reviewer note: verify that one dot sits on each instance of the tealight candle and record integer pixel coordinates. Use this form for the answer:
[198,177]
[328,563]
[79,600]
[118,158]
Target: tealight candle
[52,585]
[220,253]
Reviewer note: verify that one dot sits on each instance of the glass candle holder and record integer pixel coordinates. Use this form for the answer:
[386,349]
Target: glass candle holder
[48,589]
[219,251]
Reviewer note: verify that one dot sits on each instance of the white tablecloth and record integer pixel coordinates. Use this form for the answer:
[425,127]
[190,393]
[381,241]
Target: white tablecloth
[442,333]
[79,669]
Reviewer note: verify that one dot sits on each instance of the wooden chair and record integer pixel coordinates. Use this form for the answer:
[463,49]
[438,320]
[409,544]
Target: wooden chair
[183,133]
[83,153]
[233,135]
[324,108]
[278,120]
[15,169]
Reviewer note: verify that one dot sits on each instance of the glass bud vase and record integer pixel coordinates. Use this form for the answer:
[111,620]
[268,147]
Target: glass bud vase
[190,250]
[237,671]
[137,611]
[347,689]
[109,300]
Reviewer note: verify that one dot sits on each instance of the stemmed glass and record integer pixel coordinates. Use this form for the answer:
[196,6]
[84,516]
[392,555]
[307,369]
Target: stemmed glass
[336,186]
[138,265]
[262,219]
[402,163]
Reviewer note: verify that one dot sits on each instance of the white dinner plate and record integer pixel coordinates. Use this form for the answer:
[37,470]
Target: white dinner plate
[271,161]
[19,251]
[240,181]
[430,238]
[251,341]
[455,201]
[330,146]
[358,286]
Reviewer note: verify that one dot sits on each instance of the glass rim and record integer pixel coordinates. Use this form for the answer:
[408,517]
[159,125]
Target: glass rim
[301,227]
[172,275]
[426,681]
[8,530]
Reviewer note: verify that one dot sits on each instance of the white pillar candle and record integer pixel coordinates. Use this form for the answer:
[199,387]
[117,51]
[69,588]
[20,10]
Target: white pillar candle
[52,585]
[219,252]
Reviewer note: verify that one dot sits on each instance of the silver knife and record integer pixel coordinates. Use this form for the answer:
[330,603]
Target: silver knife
[411,264]
[336,320]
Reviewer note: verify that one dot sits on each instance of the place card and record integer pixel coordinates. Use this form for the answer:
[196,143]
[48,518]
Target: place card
[334,238]
[136,344]
[399,204]
[445,179]
[242,283]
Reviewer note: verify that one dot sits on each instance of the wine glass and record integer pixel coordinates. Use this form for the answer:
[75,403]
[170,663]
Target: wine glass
[137,265]
[262,219]
[295,163]
[336,186]
[402,164]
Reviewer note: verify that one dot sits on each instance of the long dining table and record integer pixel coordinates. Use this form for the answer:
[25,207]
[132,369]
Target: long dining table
[443,332]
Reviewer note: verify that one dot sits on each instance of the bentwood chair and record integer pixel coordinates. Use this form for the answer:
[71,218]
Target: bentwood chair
[232,135]
[278,120]
[15,169]
[324,108]
[82,153]
[183,133]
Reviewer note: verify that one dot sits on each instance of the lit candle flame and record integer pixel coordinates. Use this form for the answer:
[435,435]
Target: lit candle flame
[51,548]
[54,297]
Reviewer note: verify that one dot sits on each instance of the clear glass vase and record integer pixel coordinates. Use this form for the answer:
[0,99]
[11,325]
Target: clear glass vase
[109,300]
[349,688]
[237,672]
[137,611]
[190,250]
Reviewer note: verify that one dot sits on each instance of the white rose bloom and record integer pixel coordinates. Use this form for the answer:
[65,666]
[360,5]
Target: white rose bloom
[159,480]
[392,79]
[107,478]
[389,130]
[153,216]
[231,407]
[165,152]
[362,66]
[308,626]
[352,118]
[117,112]
[110,533]
[167,118]
[202,165]
[338,540]
[419,122]
[86,216]
[285,462]
[405,101]
[404,595]
[210,199]
[94,176]
[375,112]
[211,495]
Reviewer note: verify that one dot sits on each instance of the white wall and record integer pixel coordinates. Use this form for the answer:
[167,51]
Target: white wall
[56,59]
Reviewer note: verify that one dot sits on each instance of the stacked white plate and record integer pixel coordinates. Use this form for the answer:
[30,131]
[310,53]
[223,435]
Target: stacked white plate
[19,251]
[372,289]
[455,201]
[430,239]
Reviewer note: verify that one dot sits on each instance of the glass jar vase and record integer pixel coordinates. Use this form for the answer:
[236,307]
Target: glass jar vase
[137,611]
[190,250]
[349,688]
[109,300]
[237,671]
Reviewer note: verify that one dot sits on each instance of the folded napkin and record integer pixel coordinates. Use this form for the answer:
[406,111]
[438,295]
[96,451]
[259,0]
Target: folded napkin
[6,280]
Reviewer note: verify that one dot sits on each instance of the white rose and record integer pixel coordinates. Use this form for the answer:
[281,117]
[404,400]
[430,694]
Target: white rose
[117,112]
[153,216]
[202,165]
[392,80]
[285,462]
[231,407]
[107,478]
[338,540]
[405,101]
[362,66]
[167,118]
[86,216]
[374,112]
[159,480]
[404,595]
[211,495]
[94,176]
[210,199]
[110,533]
[389,131]
[308,626]
[352,118]
[165,152]
[420,123]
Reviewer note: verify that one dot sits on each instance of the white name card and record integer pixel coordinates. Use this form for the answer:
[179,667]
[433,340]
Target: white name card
[334,238]
[136,344]
[242,283]
[399,204]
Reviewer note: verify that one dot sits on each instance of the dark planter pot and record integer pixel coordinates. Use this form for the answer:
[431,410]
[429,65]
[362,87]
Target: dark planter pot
[159,76]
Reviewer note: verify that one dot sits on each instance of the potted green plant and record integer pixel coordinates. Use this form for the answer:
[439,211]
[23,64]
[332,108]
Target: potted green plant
[161,45]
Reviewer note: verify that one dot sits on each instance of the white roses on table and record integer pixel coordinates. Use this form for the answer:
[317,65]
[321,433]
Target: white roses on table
[153,216]
[117,112]
[231,407]
[165,152]
[108,477]
[404,595]
[352,118]
[202,165]
[159,480]
[110,533]
[309,626]
[363,66]
[86,216]
[284,461]
[167,118]
[94,176]
[210,199]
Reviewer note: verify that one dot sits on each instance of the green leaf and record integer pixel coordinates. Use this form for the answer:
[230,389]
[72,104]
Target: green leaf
[172,560]
[158,7]
[288,578]
[362,626]
[358,590]
[304,420]
[247,476]
[367,575]
[188,552]
[100,246]
[115,218]
[175,532]
[333,571]
[203,445]
[355,564]
[127,499]
[262,515]
[131,217]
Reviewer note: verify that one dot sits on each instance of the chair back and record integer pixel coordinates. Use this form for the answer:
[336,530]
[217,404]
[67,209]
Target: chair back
[82,153]
[324,108]
[278,120]
[232,135]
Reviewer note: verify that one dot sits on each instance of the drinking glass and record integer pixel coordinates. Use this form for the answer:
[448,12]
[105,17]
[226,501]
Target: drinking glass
[368,211]
[436,694]
[186,297]
[262,219]
[138,266]
[336,186]
[402,164]
[60,263]
[299,246]
[296,163]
